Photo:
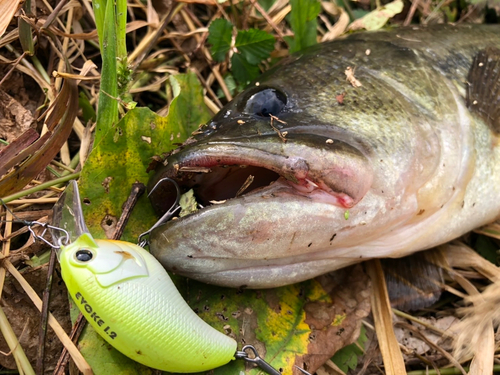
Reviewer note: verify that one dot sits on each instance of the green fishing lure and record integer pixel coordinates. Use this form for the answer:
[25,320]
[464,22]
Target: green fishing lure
[130,300]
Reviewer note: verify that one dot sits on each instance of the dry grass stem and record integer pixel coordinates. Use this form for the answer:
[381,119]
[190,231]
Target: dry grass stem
[422,337]
[423,323]
[22,362]
[33,201]
[382,315]
[80,362]
[461,256]
[5,245]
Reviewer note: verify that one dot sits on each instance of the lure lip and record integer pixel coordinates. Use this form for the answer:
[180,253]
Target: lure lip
[68,221]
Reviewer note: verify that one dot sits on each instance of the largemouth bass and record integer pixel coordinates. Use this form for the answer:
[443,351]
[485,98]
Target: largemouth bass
[378,145]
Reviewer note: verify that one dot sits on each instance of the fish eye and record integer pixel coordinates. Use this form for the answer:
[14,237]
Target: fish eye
[83,255]
[265,103]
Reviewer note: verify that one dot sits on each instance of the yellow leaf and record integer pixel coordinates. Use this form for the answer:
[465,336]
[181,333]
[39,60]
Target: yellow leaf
[379,17]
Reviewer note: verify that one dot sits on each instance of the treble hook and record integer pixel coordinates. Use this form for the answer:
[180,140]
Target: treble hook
[257,360]
[142,241]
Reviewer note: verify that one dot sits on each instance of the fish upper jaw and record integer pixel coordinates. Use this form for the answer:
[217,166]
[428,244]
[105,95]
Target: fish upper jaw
[320,169]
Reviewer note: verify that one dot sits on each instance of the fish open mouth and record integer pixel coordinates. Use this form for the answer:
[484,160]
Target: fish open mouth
[218,172]
[219,183]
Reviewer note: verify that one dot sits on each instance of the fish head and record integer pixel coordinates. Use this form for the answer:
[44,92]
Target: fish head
[104,262]
[294,172]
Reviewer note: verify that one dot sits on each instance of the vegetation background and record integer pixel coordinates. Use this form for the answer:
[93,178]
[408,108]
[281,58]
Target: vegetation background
[92,89]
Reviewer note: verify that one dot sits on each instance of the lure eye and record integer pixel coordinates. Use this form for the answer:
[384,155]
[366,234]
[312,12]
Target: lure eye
[83,255]
[265,103]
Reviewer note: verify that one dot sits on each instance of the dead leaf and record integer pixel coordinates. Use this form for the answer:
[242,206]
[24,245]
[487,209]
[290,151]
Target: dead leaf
[342,21]
[407,338]
[14,118]
[7,10]
[12,154]
[59,124]
[337,323]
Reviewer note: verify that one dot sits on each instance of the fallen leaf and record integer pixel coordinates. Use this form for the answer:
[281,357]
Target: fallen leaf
[337,323]
[40,153]
[14,118]
[7,10]
[378,18]
[342,21]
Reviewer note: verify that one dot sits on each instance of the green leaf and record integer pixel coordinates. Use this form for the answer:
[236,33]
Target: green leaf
[25,36]
[303,22]
[266,4]
[123,156]
[347,357]
[88,112]
[188,203]
[121,26]
[359,13]
[99,7]
[379,17]
[243,71]
[120,159]
[275,318]
[487,248]
[107,110]
[230,83]
[220,34]
[255,45]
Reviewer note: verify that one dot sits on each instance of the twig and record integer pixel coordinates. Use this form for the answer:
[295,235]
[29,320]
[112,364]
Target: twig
[245,185]
[34,201]
[149,42]
[282,135]
[416,332]
[14,65]
[22,361]
[52,16]
[5,245]
[138,189]
[423,323]
[42,331]
[269,20]
[74,336]
[413,8]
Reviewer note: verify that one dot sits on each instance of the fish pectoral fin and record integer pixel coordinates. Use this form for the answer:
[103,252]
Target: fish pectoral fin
[414,282]
[483,87]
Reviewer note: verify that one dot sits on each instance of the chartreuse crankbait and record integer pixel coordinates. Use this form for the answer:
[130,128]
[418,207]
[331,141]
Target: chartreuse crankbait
[130,300]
